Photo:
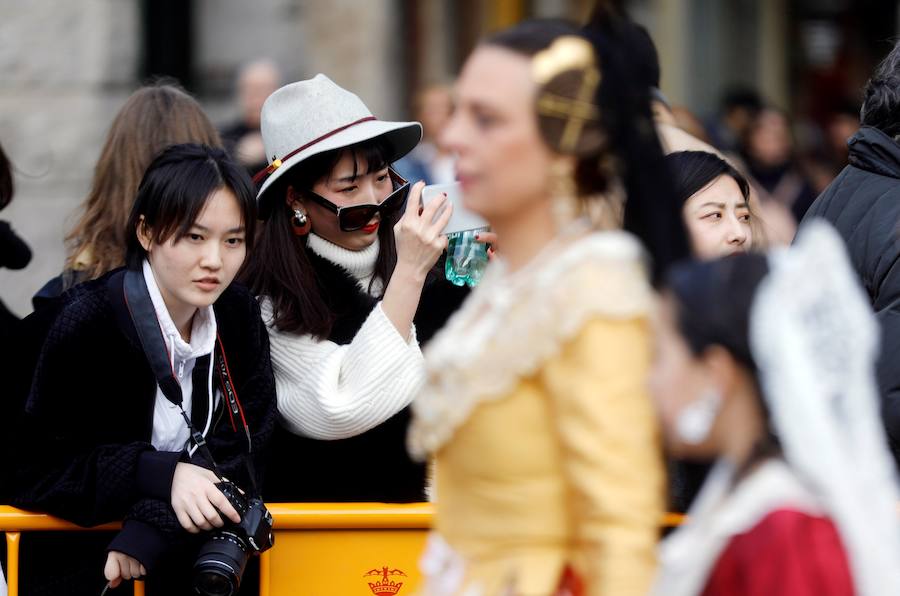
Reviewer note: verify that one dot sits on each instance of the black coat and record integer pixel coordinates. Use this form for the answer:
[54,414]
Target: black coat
[14,254]
[84,450]
[863,203]
[375,465]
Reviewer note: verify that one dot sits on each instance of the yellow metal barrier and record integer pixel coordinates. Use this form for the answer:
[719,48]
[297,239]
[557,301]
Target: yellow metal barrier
[321,549]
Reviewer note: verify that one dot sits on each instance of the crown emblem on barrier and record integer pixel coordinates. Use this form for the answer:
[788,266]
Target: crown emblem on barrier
[385,586]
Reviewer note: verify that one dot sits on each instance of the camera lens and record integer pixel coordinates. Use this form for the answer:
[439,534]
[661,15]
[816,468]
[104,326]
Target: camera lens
[214,583]
[220,565]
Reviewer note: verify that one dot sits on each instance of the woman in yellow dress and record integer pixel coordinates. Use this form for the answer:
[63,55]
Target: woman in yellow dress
[548,470]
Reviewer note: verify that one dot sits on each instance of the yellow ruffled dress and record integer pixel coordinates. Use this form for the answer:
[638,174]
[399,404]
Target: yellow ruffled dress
[543,437]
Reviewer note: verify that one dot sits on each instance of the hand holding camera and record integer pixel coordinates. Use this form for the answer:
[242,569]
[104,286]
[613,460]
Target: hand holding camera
[221,561]
[197,500]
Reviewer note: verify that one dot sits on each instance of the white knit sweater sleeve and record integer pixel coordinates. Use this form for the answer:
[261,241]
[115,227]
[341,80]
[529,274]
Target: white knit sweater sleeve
[330,391]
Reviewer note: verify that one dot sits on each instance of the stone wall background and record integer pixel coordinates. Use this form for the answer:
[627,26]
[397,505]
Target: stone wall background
[66,67]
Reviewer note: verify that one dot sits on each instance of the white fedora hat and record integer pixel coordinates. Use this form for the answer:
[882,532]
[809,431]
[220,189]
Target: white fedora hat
[313,116]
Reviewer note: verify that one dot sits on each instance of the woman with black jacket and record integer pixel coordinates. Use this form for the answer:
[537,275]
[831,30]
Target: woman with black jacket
[102,441]
[345,274]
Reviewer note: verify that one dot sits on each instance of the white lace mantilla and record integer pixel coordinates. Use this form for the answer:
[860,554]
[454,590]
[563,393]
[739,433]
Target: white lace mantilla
[514,322]
[815,341]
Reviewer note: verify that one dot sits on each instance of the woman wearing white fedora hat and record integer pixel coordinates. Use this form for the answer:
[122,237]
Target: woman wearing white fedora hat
[344,262]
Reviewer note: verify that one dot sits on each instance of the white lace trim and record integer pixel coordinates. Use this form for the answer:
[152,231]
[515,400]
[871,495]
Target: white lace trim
[689,555]
[444,569]
[513,323]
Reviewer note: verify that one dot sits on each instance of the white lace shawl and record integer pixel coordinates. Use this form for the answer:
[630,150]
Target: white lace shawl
[514,322]
[815,342]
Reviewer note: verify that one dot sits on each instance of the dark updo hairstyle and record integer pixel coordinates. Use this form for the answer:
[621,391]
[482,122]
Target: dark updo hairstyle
[175,189]
[282,271]
[6,180]
[692,171]
[631,151]
[714,301]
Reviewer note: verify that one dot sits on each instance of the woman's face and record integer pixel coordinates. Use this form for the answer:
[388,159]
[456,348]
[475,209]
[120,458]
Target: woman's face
[678,380]
[718,220]
[194,270]
[770,141]
[344,190]
[502,161]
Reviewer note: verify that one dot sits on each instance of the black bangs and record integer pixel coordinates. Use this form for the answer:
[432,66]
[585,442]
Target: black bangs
[176,188]
[373,153]
[692,171]
[177,210]
[280,268]
[304,175]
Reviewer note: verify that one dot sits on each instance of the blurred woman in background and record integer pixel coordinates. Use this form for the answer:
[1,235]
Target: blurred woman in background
[153,118]
[769,153]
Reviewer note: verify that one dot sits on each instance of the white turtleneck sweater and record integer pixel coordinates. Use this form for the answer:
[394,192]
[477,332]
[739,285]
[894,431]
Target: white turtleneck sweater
[170,431]
[328,391]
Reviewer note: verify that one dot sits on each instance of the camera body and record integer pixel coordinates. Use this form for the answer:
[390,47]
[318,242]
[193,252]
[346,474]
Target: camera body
[221,561]
[256,521]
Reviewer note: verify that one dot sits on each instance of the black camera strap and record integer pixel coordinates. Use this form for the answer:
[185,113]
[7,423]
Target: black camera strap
[143,315]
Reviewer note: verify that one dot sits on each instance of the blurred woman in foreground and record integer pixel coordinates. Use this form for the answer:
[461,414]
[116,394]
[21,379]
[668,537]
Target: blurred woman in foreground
[769,370]
[548,467]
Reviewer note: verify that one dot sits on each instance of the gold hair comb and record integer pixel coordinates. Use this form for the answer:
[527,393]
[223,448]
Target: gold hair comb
[577,109]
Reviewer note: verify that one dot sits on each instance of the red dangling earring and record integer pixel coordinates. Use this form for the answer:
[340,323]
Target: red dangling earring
[300,222]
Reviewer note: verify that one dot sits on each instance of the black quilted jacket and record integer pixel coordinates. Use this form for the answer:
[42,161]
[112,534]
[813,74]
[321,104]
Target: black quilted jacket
[863,203]
[85,452]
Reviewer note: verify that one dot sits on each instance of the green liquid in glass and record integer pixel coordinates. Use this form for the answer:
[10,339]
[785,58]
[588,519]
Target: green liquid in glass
[466,258]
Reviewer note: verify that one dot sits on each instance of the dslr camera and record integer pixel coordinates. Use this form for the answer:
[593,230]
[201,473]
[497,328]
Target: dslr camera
[221,561]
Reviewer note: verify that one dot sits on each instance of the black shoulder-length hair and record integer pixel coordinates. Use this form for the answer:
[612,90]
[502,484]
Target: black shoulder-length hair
[692,171]
[176,187]
[280,269]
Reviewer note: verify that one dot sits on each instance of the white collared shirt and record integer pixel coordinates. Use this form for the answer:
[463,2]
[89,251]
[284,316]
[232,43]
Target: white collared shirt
[170,431]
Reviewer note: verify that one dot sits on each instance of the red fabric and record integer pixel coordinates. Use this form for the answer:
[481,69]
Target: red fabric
[788,553]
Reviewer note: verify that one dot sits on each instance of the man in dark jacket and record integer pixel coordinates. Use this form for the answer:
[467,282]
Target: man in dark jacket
[863,203]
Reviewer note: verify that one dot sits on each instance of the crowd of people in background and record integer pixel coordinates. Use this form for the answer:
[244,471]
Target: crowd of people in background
[678,316]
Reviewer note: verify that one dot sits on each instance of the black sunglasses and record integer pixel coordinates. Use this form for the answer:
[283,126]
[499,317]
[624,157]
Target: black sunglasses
[356,217]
